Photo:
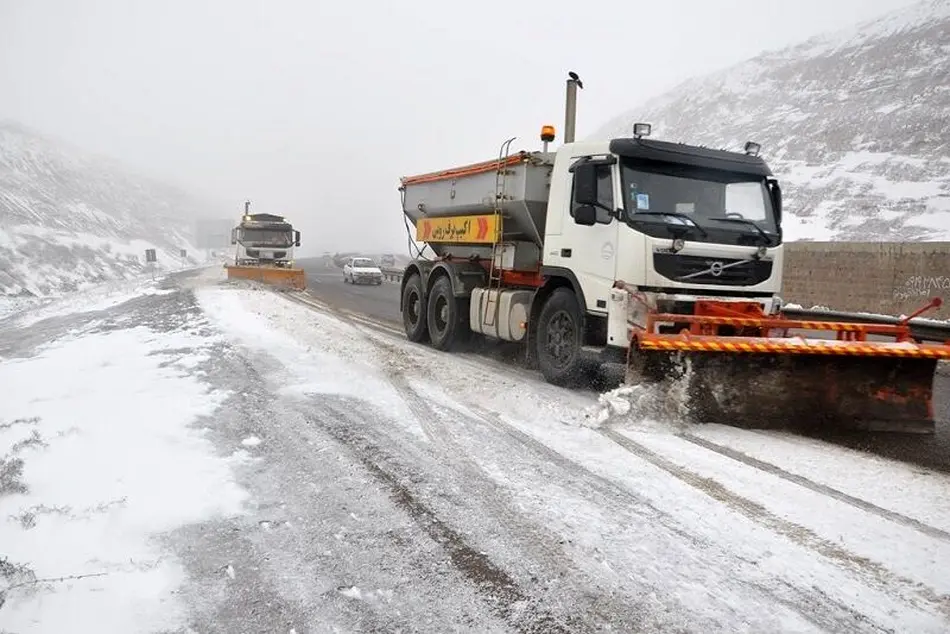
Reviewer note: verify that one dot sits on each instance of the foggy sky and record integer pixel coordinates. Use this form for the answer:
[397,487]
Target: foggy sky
[315,109]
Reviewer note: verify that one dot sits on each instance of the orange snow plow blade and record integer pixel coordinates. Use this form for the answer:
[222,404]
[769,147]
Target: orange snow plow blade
[743,368]
[272,275]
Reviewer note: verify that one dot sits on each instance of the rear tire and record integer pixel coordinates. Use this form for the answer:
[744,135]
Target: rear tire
[447,316]
[560,338]
[414,311]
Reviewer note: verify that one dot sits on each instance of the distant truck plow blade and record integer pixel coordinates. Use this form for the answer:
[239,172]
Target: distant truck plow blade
[291,278]
[264,251]
[739,371]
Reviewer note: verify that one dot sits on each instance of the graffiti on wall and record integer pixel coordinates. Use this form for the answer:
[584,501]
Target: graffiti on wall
[920,286]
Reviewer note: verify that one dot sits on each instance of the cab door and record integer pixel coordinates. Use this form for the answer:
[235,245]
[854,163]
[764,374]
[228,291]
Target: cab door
[592,255]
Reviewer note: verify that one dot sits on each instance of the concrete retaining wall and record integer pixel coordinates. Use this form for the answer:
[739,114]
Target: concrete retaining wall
[880,277]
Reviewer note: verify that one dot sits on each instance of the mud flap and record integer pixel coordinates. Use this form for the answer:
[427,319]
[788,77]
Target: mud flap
[804,391]
[271,275]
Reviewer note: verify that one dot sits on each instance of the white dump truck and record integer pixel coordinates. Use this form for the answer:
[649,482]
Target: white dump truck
[264,250]
[644,251]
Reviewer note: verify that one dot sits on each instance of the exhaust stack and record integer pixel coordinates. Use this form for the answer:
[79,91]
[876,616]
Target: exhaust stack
[570,109]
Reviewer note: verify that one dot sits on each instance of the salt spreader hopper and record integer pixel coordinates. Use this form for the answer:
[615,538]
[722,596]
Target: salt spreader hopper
[264,251]
[665,256]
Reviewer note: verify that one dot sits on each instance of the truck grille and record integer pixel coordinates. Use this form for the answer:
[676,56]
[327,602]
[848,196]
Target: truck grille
[673,267]
[256,253]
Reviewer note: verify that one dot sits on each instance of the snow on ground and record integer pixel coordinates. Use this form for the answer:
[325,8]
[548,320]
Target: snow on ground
[60,259]
[377,476]
[884,483]
[98,457]
[24,312]
[688,536]
[97,298]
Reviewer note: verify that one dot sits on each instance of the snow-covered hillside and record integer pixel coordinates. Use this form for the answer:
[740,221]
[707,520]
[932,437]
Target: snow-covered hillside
[67,219]
[855,123]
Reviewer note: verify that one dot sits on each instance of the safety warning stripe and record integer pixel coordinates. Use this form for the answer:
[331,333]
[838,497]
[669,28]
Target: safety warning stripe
[747,322]
[860,349]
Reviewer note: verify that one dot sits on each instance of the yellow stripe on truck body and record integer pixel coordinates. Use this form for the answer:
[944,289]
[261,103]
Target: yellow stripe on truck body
[478,229]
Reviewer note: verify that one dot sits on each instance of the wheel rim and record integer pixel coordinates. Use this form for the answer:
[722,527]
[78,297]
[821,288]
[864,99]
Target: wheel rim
[412,308]
[559,339]
[440,313]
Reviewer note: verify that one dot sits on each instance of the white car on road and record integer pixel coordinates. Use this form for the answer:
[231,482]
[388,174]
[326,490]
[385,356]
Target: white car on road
[360,270]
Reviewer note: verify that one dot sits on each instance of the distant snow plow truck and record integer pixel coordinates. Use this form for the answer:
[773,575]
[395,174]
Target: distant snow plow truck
[663,256]
[264,251]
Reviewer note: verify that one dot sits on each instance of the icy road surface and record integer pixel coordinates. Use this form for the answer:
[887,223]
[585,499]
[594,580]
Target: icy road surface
[223,459]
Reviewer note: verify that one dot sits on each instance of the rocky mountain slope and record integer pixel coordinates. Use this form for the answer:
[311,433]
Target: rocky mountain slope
[68,219]
[855,123]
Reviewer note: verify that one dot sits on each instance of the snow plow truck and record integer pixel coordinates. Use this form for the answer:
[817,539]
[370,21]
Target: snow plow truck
[264,251]
[662,256]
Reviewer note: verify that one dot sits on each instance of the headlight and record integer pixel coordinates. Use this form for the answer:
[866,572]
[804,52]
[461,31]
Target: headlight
[678,244]
[762,251]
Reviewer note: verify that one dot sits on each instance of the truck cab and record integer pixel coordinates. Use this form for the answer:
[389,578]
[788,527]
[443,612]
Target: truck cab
[676,222]
[571,252]
[264,239]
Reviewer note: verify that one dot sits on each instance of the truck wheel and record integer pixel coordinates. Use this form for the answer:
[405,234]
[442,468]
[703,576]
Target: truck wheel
[447,316]
[414,311]
[559,338]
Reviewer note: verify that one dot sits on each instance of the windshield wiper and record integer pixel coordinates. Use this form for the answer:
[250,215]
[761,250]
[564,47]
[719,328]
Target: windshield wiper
[746,221]
[675,215]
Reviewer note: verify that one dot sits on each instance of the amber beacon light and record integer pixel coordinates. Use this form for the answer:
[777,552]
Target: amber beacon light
[547,135]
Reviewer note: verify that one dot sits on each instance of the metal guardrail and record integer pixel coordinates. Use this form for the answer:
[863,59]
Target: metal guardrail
[391,273]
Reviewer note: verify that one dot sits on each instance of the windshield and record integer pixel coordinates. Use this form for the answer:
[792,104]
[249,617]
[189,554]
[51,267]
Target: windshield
[363,263]
[263,237]
[727,206]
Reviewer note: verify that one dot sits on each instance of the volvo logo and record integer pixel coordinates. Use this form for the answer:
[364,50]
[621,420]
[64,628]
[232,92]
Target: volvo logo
[715,269]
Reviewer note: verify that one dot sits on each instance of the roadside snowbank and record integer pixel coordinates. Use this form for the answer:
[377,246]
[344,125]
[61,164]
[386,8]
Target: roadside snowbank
[26,311]
[98,457]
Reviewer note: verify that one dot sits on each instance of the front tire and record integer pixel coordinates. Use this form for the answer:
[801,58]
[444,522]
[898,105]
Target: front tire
[560,338]
[414,311]
[447,316]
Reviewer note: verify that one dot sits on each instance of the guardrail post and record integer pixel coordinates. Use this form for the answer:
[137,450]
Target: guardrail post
[391,274]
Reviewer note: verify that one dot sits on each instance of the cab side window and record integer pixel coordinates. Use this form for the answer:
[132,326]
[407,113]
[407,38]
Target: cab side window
[605,195]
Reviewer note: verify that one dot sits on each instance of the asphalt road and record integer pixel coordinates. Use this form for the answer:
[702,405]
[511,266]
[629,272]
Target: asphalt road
[381,303]
[378,302]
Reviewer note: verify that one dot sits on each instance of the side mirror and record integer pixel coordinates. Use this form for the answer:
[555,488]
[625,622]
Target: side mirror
[585,184]
[296,238]
[776,193]
[585,215]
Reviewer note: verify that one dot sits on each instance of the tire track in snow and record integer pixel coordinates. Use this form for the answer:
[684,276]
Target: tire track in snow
[821,610]
[507,599]
[873,572]
[520,529]
[398,364]
[841,496]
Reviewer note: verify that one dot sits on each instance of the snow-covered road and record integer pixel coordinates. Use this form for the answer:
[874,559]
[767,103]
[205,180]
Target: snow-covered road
[225,459]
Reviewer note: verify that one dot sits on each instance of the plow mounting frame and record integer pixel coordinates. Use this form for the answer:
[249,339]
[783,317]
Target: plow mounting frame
[746,368]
